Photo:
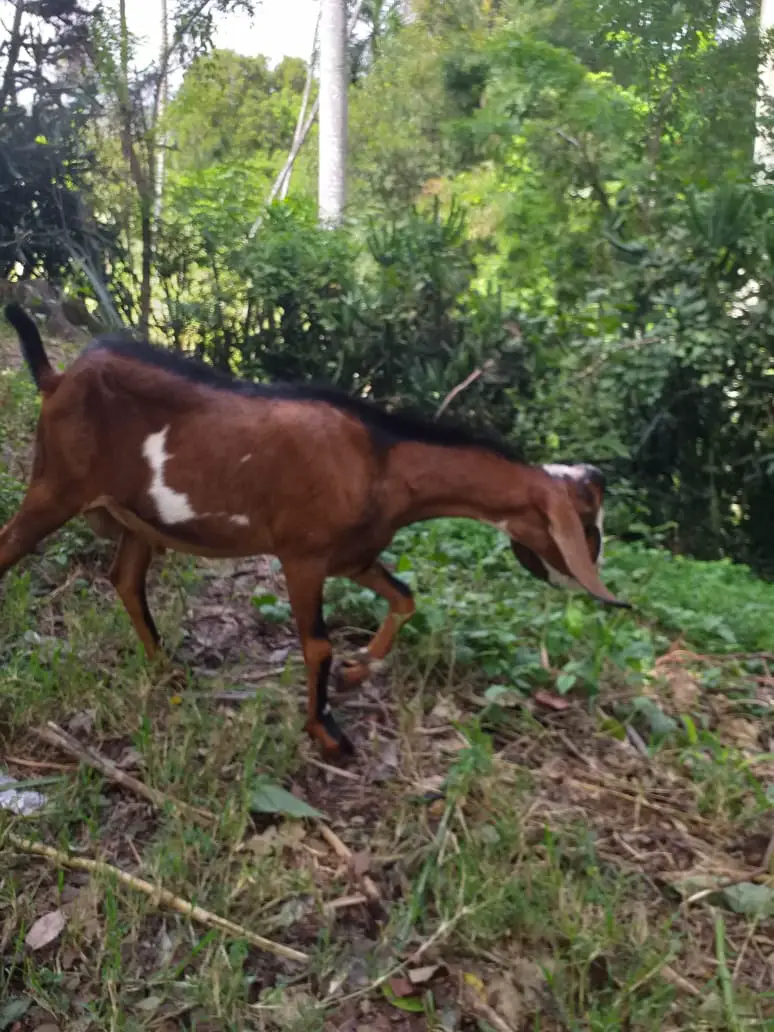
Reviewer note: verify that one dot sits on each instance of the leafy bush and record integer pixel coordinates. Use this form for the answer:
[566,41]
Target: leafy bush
[479,612]
[381,308]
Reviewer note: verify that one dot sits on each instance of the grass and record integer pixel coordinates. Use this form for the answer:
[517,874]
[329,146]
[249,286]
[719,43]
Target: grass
[598,866]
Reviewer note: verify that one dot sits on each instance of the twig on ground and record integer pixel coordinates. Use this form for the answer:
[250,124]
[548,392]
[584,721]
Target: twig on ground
[20,761]
[54,735]
[479,1008]
[638,742]
[678,981]
[768,856]
[338,771]
[573,748]
[343,902]
[745,945]
[441,930]
[157,894]
[342,850]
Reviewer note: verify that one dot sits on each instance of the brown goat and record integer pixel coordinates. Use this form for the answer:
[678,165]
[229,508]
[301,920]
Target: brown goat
[163,452]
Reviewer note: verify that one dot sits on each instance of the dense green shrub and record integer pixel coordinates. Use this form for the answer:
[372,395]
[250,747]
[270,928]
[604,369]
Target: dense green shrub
[382,308]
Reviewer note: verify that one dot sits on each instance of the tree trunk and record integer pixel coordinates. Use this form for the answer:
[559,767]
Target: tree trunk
[161,148]
[764,153]
[333,111]
[142,178]
[14,46]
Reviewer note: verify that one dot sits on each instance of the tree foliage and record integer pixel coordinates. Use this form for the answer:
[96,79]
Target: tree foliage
[45,158]
[231,108]
[560,200]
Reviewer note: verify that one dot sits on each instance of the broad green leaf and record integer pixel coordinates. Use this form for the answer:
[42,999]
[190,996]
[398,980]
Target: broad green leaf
[750,899]
[565,682]
[660,722]
[12,1010]
[412,1004]
[271,798]
[690,729]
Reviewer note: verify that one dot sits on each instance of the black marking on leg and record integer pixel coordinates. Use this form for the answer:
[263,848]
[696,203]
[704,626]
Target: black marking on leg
[148,617]
[319,630]
[324,715]
[400,587]
[322,688]
[346,748]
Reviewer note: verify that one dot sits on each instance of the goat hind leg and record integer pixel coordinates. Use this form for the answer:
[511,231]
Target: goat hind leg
[401,602]
[42,511]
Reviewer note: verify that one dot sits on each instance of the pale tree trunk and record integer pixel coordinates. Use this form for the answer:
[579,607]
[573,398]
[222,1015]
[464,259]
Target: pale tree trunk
[161,142]
[140,176]
[764,153]
[300,137]
[333,111]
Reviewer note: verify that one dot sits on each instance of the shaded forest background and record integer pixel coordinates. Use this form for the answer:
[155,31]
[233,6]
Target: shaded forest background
[561,200]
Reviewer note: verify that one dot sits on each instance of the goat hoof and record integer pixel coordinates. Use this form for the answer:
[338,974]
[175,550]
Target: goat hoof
[334,743]
[174,679]
[341,751]
[351,674]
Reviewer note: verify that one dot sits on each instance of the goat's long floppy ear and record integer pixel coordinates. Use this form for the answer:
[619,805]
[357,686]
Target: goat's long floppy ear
[567,532]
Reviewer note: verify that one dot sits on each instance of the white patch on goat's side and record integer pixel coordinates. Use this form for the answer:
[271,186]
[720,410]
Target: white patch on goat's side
[555,469]
[173,506]
[240,520]
[245,458]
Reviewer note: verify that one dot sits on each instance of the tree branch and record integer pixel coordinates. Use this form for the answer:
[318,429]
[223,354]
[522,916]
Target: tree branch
[282,183]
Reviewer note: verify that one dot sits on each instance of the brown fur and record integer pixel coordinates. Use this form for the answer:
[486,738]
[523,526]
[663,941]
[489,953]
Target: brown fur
[316,491]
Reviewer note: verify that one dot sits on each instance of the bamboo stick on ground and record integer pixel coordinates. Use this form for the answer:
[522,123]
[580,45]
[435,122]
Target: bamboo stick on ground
[342,850]
[158,894]
[55,735]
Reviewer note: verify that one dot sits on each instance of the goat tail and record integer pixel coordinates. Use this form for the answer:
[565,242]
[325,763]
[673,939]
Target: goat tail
[43,373]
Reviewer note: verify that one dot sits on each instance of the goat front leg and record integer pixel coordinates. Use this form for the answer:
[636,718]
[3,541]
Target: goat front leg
[305,582]
[43,510]
[127,575]
[401,602]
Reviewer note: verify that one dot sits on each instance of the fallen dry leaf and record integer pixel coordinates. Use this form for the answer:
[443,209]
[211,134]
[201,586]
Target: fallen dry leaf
[740,732]
[45,930]
[445,711]
[551,701]
[431,785]
[401,986]
[130,759]
[683,687]
[361,863]
[421,975]
[83,721]
[506,999]
[261,844]
[474,982]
